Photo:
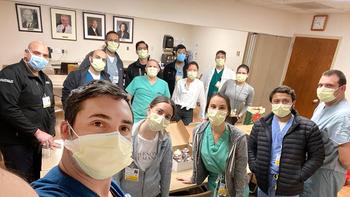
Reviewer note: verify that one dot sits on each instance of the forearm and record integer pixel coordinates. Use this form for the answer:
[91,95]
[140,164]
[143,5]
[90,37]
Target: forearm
[344,155]
[243,111]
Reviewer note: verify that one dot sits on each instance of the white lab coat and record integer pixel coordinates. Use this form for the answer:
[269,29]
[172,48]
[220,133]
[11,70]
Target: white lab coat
[226,75]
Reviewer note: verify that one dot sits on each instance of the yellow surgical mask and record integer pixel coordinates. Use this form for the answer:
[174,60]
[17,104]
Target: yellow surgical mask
[152,71]
[216,117]
[143,53]
[220,61]
[192,74]
[157,122]
[241,77]
[281,110]
[98,64]
[325,94]
[112,46]
[100,155]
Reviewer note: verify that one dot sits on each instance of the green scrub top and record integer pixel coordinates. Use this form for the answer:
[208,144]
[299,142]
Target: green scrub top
[214,79]
[214,156]
[143,93]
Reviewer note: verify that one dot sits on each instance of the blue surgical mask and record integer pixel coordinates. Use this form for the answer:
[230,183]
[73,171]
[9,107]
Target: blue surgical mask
[38,63]
[181,57]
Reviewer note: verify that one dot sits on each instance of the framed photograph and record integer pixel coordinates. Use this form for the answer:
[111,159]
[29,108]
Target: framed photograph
[63,24]
[29,18]
[124,28]
[94,26]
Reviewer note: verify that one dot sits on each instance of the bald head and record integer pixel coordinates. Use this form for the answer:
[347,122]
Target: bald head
[153,62]
[37,48]
[37,44]
[99,53]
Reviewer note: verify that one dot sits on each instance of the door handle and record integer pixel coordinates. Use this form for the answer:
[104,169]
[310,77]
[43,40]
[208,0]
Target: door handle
[315,101]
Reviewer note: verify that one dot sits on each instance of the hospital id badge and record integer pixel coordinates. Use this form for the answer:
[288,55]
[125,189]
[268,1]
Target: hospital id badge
[46,101]
[222,190]
[277,159]
[131,174]
[115,79]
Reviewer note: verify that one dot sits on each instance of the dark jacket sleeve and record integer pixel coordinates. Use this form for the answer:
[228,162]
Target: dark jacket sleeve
[69,84]
[128,75]
[252,147]
[85,63]
[10,92]
[315,152]
[52,112]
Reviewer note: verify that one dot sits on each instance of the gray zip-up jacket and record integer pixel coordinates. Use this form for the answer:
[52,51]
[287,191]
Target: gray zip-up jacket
[236,165]
[156,179]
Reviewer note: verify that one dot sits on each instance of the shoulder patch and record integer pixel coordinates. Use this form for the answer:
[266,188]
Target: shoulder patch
[6,80]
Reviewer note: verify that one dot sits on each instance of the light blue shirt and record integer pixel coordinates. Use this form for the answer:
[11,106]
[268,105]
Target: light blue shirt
[277,142]
[179,71]
[334,124]
[112,70]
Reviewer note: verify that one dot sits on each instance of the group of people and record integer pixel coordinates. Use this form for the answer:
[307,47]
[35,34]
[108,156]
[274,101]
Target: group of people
[115,138]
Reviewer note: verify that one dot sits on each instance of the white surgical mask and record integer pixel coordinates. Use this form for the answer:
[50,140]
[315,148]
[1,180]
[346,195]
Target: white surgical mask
[281,110]
[152,71]
[326,94]
[157,122]
[100,155]
[216,117]
[98,64]
[112,46]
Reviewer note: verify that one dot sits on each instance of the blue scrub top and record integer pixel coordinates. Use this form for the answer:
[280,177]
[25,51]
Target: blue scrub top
[58,183]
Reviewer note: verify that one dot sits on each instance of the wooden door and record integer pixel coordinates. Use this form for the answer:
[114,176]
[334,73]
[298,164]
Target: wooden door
[267,65]
[309,59]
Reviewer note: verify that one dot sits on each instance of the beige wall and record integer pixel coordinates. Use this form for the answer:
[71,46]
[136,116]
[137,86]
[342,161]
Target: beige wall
[207,41]
[338,26]
[228,14]
[201,40]
[150,31]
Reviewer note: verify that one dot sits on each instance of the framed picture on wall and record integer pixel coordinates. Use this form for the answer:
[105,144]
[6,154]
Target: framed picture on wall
[94,26]
[124,28]
[29,18]
[63,24]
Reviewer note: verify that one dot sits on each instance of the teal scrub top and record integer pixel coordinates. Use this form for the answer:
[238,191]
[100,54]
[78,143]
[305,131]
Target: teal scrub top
[214,79]
[214,156]
[143,93]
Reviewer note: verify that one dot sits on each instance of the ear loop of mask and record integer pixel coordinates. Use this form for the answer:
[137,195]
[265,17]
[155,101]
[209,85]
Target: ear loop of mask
[73,131]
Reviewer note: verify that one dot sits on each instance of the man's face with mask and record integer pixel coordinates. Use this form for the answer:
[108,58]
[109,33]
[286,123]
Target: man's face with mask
[99,141]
